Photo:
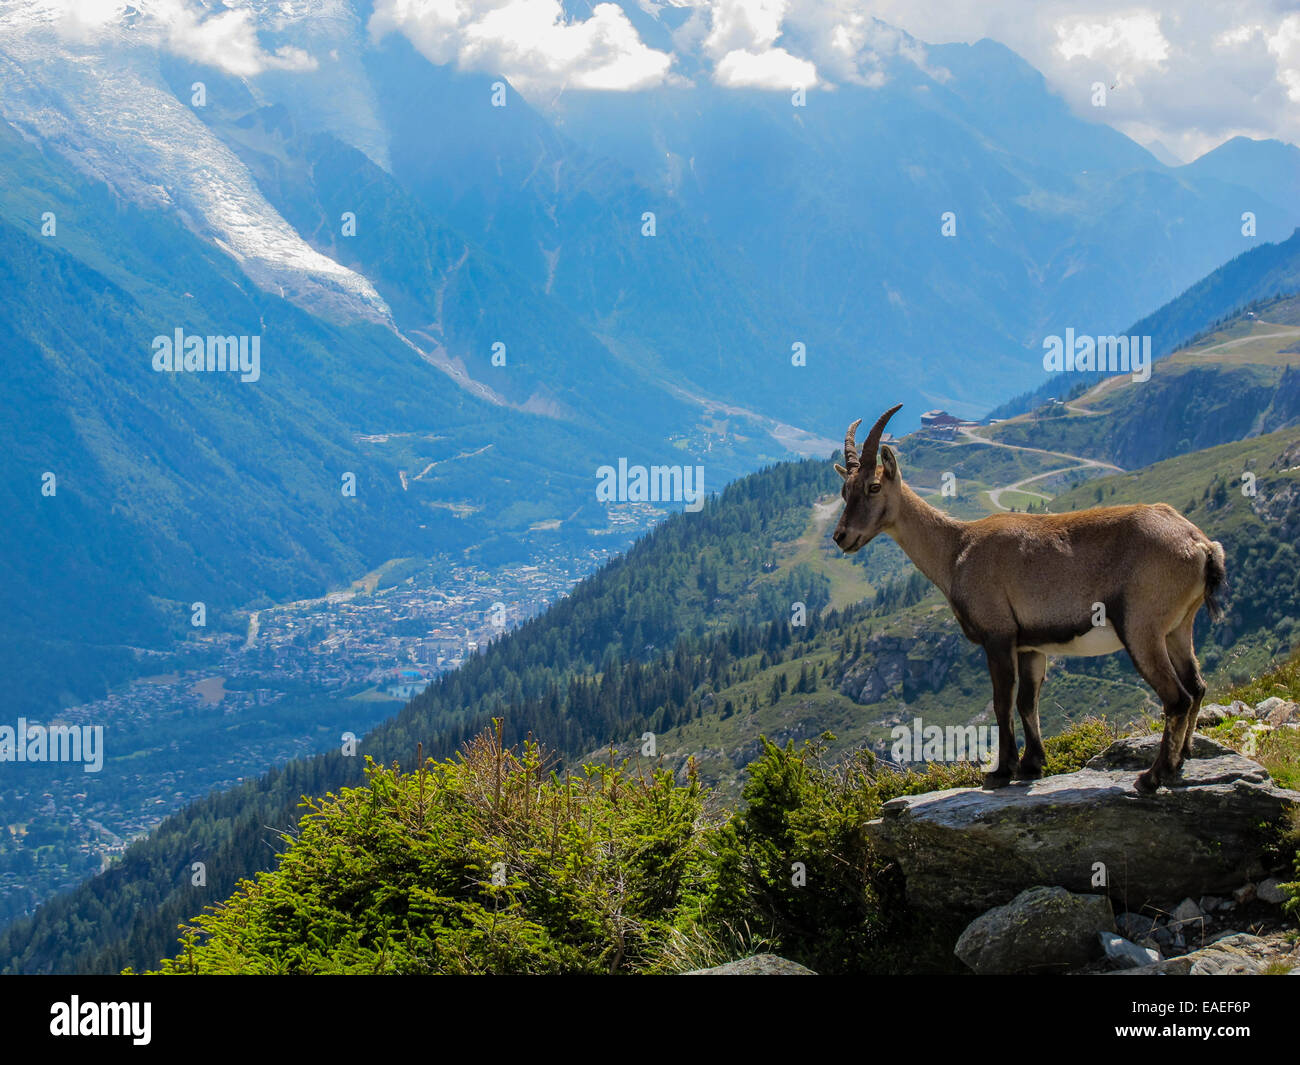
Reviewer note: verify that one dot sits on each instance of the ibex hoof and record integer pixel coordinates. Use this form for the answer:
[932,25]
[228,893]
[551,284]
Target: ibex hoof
[1029,772]
[999,779]
[1147,783]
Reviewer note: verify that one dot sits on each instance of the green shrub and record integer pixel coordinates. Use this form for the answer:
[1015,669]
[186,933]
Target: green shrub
[483,864]
[1076,746]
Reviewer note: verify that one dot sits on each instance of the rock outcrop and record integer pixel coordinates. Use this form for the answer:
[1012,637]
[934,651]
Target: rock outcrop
[904,667]
[966,850]
[1235,954]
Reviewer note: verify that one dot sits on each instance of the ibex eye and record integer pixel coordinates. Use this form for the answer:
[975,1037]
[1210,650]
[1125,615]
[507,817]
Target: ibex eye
[875,487]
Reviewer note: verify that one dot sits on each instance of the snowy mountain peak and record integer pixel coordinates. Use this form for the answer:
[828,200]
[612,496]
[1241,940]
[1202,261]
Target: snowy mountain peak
[86,80]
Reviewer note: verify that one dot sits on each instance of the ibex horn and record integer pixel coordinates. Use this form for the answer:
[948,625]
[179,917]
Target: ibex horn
[850,448]
[872,445]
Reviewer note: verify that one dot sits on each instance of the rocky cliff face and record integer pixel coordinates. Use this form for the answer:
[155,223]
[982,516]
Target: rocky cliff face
[1200,408]
[1282,505]
[903,666]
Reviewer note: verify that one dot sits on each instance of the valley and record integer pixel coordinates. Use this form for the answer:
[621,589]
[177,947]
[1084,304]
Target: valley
[216,710]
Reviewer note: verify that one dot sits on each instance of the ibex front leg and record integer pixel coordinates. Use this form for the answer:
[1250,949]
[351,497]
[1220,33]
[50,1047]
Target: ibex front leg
[1002,669]
[1031,667]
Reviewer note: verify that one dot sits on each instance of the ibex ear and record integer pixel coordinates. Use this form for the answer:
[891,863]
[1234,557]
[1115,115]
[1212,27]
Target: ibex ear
[889,461]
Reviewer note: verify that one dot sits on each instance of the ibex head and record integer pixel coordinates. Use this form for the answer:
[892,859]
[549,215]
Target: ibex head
[870,492]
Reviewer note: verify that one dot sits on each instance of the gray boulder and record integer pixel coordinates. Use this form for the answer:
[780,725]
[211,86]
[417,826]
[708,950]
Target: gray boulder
[1270,890]
[966,850]
[1216,713]
[1135,926]
[757,965]
[1043,929]
[1277,711]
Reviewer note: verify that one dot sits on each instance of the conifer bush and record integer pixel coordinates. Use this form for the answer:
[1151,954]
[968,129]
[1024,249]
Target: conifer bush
[486,863]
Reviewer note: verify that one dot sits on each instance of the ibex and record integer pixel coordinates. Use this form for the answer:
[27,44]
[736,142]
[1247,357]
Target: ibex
[1025,586]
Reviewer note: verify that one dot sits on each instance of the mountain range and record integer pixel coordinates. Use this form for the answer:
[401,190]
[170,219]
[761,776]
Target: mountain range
[469,293]
[445,285]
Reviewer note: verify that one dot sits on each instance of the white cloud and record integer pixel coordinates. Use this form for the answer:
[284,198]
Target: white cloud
[529,41]
[837,41]
[1188,75]
[1284,47]
[744,25]
[773,69]
[1124,39]
[1237,35]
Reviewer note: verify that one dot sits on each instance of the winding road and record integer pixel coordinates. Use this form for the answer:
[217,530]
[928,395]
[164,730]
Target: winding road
[1076,462]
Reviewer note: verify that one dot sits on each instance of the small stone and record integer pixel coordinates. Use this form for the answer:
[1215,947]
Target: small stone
[1244,894]
[1210,903]
[1283,712]
[1163,936]
[1127,955]
[1270,890]
[1187,922]
[1211,714]
[1240,709]
[1134,926]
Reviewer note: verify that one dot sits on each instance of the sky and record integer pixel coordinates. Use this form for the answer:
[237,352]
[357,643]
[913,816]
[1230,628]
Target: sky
[1180,77]
[1184,76]
[1190,75]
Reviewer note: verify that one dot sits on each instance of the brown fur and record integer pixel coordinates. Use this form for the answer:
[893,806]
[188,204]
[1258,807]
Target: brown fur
[1026,585]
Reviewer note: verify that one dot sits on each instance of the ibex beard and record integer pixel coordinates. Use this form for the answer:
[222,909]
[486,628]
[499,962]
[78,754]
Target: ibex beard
[1025,586]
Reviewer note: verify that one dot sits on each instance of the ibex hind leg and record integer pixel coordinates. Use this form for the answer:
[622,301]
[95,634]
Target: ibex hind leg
[1150,656]
[1183,657]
